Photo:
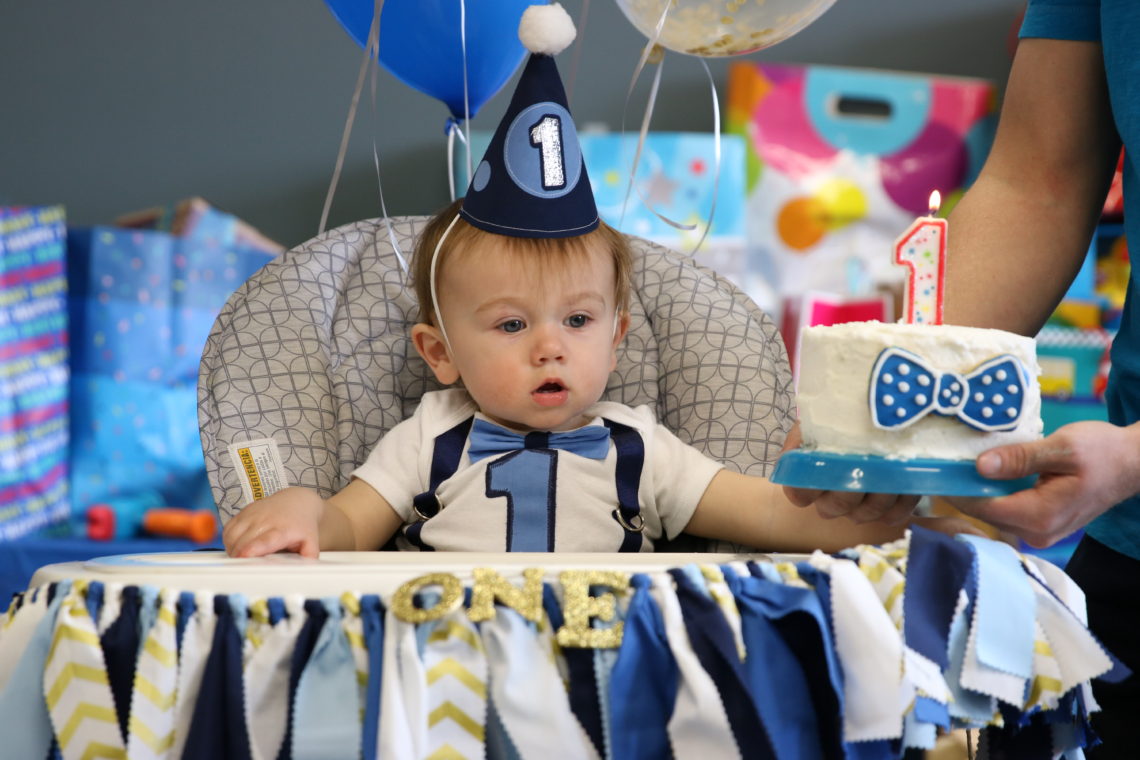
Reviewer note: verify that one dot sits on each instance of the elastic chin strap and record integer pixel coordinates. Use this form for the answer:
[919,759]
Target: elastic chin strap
[434,294]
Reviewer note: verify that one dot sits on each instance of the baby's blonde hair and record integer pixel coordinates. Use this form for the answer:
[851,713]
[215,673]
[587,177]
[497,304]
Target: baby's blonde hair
[546,252]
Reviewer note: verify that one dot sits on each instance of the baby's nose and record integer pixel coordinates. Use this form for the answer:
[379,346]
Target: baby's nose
[548,345]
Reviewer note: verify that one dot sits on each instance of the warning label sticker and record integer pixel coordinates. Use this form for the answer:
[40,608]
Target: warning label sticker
[259,467]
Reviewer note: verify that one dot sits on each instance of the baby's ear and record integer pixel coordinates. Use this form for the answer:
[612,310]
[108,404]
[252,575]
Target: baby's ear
[431,346]
[621,327]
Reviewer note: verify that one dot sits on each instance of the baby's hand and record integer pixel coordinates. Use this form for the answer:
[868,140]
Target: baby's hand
[288,520]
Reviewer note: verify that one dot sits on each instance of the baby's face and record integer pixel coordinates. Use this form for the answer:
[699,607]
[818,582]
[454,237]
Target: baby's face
[534,346]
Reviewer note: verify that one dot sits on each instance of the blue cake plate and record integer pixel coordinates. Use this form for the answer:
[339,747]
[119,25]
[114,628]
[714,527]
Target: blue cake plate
[858,472]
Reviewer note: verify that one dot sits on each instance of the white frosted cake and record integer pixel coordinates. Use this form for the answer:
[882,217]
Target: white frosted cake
[916,391]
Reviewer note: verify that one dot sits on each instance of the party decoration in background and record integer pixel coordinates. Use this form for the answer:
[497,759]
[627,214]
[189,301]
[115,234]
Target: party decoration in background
[33,370]
[841,159]
[141,304]
[420,44]
[716,28]
[675,175]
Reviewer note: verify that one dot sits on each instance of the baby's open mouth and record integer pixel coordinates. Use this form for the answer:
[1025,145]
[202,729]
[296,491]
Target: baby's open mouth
[552,393]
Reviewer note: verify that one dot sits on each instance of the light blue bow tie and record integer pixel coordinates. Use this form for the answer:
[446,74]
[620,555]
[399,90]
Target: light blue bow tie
[905,388]
[487,440]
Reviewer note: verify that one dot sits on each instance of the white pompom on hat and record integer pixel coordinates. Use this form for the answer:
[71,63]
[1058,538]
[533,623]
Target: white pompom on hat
[546,29]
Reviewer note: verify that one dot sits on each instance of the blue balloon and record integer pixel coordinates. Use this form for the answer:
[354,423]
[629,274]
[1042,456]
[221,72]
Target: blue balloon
[420,44]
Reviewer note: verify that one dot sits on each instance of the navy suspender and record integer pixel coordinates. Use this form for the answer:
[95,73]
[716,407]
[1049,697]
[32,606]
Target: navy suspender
[444,462]
[630,461]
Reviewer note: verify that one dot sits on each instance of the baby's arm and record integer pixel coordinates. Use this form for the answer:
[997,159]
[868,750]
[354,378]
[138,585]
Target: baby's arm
[753,511]
[298,520]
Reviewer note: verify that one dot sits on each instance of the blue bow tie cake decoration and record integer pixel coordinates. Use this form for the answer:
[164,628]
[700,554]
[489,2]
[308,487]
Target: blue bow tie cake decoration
[905,388]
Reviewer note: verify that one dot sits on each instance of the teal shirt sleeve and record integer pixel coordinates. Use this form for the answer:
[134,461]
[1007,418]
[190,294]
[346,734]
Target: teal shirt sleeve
[1062,20]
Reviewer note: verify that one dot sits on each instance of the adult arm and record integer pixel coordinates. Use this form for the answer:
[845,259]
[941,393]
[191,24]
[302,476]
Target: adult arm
[1019,235]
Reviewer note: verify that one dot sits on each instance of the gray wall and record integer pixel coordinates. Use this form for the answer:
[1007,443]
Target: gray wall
[109,106]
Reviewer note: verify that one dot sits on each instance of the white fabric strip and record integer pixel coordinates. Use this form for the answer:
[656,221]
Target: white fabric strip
[16,631]
[196,642]
[528,692]
[112,606]
[456,671]
[1079,656]
[151,727]
[699,727]
[267,661]
[403,717]
[870,652]
[76,687]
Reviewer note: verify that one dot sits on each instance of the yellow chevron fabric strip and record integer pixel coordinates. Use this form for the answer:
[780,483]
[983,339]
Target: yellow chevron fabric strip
[76,687]
[151,728]
[455,672]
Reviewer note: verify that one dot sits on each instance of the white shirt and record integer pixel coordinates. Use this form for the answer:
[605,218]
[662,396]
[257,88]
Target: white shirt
[674,477]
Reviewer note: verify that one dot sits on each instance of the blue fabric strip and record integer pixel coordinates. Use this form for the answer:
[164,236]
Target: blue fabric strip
[148,611]
[121,642]
[326,708]
[94,599]
[25,723]
[583,680]
[931,711]
[918,734]
[372,616]
[186,608]
[643,682]
[315,616]
[1006,608]
[937,567]
[715,647]
[774,675]
[276,608]
[218,728]
[969,706]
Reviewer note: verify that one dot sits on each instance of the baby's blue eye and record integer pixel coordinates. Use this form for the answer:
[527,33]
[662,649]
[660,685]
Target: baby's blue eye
[578,320]
[511,326]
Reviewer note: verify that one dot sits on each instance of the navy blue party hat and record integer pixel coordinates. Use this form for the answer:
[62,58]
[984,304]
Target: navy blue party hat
[532,180]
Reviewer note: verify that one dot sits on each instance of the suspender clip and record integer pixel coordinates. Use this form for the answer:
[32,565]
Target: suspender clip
[635,524]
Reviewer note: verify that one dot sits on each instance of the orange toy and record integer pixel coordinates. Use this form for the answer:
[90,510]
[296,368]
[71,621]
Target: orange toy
[195,524]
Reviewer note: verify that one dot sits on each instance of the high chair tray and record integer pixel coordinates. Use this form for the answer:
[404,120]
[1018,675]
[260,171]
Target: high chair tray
[860,472]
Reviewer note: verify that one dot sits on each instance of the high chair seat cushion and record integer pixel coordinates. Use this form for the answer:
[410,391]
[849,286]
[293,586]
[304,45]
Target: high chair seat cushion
[313,353]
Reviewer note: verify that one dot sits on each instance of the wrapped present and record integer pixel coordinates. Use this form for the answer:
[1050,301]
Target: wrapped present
[141,305]
[33,370]
[840,161]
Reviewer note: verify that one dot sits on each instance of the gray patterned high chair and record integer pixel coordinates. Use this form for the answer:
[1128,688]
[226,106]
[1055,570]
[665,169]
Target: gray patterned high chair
[314,353]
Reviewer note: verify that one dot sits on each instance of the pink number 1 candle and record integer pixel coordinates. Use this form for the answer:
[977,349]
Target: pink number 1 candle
[922,250]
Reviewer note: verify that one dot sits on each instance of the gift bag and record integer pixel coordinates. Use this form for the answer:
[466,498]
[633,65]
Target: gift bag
[142,302]
[33,370]
[840,161]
